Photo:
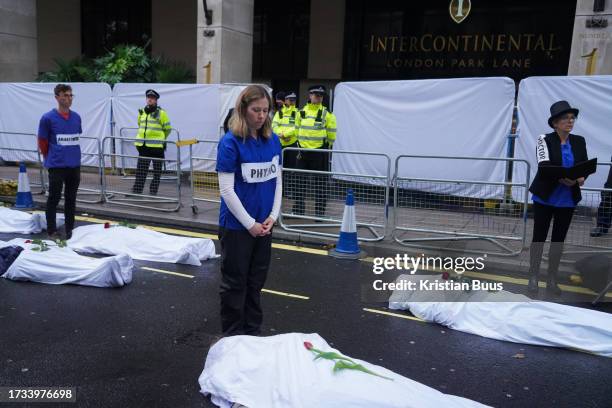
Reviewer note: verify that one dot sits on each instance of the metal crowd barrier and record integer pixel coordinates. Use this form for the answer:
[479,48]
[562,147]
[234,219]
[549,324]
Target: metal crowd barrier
[12,156]
[90,188]
[430,210]
[126,147]
[120,190]
[596,204]
[314,200]
[202,174]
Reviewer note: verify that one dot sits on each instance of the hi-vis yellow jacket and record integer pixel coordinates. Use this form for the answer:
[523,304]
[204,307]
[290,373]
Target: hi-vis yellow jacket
[316,127]
[153,128]
[284,122]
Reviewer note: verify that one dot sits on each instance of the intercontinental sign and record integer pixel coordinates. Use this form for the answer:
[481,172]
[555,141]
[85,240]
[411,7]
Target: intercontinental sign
[443,38]
[442,51]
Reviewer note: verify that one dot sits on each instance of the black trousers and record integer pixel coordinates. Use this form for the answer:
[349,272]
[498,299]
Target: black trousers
[244,267]
[58,178]
[311,182]
[289,177]
[604,212]
[147,155]
[542,217]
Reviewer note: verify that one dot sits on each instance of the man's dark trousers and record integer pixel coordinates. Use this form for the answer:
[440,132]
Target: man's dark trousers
[58,178]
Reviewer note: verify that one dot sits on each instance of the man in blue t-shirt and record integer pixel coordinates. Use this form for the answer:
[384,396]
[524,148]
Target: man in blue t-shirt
[59,132]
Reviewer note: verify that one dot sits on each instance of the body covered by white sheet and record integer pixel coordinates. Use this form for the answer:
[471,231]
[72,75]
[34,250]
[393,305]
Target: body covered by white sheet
[21,222]
[23,104]
[278,371]
[592,95]
[141,243]
[193,109]
[440,117]
[59,266]
[510,317]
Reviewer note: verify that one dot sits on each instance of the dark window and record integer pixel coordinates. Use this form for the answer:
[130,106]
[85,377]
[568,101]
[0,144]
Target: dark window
[280,39]
[106,23]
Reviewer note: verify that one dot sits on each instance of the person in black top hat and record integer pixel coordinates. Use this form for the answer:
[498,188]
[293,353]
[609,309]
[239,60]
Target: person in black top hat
[554,199]
[604,211]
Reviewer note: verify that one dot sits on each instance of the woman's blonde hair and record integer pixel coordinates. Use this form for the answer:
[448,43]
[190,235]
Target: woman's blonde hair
[238,123]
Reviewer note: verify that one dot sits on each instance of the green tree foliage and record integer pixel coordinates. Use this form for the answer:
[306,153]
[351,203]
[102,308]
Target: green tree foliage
[124,63]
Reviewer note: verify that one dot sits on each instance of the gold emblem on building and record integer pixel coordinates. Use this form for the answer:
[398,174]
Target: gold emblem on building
[459,10]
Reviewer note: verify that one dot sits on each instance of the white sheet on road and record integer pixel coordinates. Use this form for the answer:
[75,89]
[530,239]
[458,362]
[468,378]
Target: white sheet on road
[141,243]
[278,371]
[59,266]
[21,222]
[510,317]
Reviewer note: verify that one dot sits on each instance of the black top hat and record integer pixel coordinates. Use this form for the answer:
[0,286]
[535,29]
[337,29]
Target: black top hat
[559,108]
[151,92]
[317,89]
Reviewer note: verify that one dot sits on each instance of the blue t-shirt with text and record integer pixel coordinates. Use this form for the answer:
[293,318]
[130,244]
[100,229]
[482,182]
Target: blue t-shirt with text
[63,136]
[255,163]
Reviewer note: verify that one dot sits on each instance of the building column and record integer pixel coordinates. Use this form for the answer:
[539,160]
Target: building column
[325,49]
[592,40]
[227,43]
[18,41]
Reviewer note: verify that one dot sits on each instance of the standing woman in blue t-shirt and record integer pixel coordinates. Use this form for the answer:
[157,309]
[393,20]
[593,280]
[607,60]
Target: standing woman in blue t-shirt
[59,131]
[552,198]
[250,182]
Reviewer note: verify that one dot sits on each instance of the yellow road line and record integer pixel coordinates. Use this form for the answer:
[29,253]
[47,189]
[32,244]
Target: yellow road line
[291,295]
[166,272]
[300,249]
[403,316]
[274,292]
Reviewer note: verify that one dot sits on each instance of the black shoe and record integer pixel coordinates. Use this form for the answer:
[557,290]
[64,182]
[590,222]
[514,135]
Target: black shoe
[533,284]
[599,231]
[153,193]
[55,236]
[552,287]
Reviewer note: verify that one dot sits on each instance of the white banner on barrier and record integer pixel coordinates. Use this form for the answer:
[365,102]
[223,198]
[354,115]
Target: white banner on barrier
[442,117]
[592,95]
[193,109]
[23,104]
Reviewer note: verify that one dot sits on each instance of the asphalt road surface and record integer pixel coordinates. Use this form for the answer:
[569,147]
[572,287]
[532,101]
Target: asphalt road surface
[144,345]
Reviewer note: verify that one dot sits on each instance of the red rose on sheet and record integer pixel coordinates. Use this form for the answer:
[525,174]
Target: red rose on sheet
[28,241]
[107,225]
[308,345]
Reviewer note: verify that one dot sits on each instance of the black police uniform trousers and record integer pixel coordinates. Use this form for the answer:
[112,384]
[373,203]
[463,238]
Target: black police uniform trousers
[289,177]
[312,182]
[146,155]
[70,177]
[244,267]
